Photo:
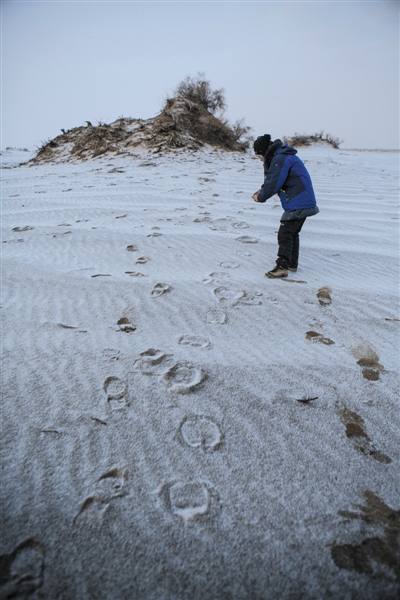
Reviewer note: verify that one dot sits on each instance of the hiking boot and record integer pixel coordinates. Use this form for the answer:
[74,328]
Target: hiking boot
[292,269]
[278,271]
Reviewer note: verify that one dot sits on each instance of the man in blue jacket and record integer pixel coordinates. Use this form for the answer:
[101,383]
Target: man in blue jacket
[285,175]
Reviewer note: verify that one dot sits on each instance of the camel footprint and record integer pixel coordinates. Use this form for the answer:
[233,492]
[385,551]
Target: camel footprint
[197,431]
[183,377]
[216,278]
[216,317]
[21,572]
[228,295]
[154,362]
[191,500]
[232,297]
[196,341]
[240,225]
[115,390]
[247,239]
[111,354]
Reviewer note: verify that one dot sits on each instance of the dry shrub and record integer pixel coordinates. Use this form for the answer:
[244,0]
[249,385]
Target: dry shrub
[307,140]
[198,90]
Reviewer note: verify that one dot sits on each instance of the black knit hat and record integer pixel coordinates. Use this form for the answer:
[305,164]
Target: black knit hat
[262,144]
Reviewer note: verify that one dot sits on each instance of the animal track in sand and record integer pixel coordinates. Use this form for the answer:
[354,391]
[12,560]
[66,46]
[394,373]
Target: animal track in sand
[242,253]
[132,248]
[247,239]
[224,294]
[135,274]
[183,378]
[102,275]
[251,299]
[202,220]
[196,341]
[216,317]
[368,360]
[215,278]
[229,265]
[57,235]
[318,337]
[111,354]
[240,225]
[154,362]
[155,234]
[324,296]
[160,288]
[190,500]
[125,325]
[355,430]
[109,486]
[26,228]
[115,390]
[21,572]
[200,432]
[142,260]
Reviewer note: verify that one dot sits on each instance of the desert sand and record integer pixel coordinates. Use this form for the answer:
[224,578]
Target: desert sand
[177,426]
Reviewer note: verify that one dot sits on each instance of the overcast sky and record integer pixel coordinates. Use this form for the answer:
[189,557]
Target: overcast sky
[285,66]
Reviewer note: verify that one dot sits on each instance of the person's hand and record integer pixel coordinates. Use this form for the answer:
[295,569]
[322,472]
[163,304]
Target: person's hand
[255,196]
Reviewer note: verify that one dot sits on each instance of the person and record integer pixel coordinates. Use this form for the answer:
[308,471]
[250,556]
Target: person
[285,175]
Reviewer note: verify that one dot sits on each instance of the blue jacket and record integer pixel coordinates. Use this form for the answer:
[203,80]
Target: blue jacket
[287,176]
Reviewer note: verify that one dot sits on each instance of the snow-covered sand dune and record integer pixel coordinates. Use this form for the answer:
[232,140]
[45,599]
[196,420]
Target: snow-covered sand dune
[155,444]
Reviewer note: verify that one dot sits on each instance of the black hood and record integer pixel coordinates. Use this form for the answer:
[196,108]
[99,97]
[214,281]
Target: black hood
[276,144]
[277,147]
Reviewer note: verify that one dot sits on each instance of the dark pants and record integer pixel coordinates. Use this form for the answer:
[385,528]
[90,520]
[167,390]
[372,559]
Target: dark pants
[288,240]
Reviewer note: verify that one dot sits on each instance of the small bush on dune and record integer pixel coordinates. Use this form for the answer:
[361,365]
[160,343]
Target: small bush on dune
[198,90]
[307,140]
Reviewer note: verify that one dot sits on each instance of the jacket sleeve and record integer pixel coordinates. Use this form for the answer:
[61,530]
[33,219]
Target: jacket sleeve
[274,178]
